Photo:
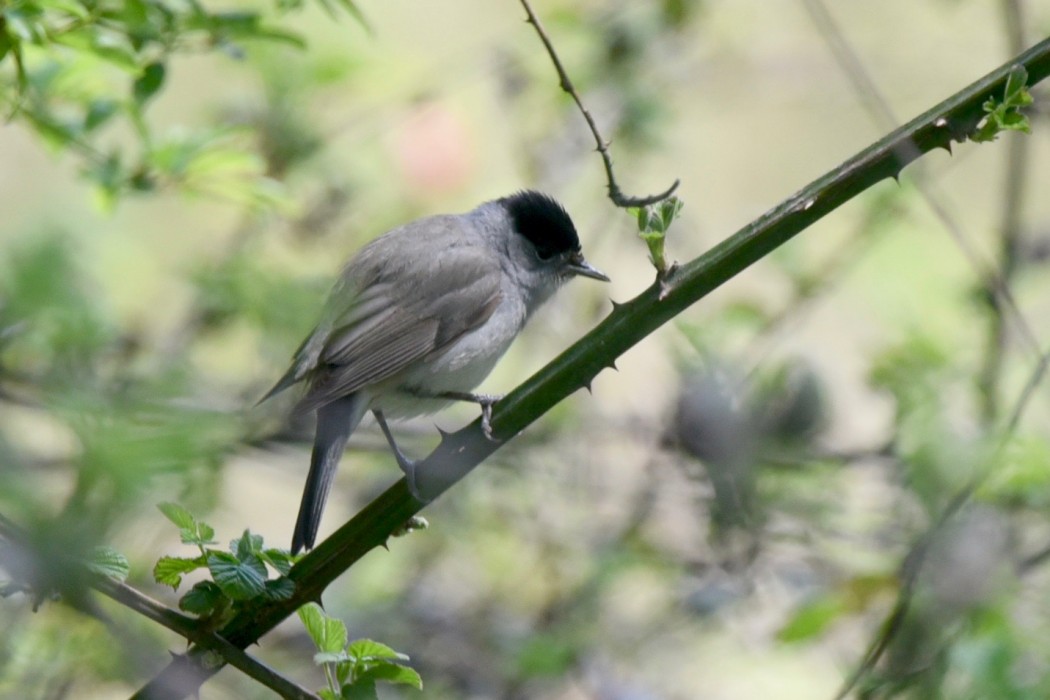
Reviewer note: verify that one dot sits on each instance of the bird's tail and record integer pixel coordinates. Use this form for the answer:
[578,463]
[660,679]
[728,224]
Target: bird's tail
[335,422]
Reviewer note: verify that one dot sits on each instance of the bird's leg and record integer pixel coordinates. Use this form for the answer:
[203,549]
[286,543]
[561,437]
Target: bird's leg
[407,465]
[486,402]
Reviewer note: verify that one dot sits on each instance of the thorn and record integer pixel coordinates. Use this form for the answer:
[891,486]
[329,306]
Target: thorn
[612,366]
[587,386]
[616,305]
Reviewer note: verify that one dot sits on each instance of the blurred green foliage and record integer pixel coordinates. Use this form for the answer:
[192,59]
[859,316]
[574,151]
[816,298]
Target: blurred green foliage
[82,74]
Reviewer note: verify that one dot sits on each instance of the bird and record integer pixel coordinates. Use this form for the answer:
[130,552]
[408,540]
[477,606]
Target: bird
[418,318]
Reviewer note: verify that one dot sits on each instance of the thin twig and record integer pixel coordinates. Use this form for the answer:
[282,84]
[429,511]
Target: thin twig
[615,193]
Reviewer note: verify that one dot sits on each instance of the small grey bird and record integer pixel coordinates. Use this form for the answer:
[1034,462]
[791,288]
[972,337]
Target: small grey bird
[419,317]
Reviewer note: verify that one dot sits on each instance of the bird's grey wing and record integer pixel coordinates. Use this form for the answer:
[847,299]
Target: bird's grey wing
[407,312]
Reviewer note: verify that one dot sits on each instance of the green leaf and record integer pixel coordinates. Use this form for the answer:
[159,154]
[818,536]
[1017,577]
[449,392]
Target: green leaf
[343,670]
[106,561]
[369,650]
[1017,122]
[669,210]
[282,588]
[279,559]
[169,570]
[361,690]
[239,580]
[312,617]
[203,599]
[329,634]
[642,216]
[191,530]
[393,673]
[181,517]
[148,83]
[202,535]
[1015,83]
[327,694]
[247,546]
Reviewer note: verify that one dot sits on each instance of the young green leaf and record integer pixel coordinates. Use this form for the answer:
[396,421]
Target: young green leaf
[312,617]
[329,634]
[368,650]
[282,588]
[1015,84]
[182,518]
[203,599]
[247,546]
[279,559]
[392,673]
[106,561]
[362,690]
[169,570]
[239,580]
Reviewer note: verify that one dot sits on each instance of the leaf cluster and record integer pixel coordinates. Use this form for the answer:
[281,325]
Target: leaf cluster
[653,222]
[238,576]
[1005,115]
[353,669]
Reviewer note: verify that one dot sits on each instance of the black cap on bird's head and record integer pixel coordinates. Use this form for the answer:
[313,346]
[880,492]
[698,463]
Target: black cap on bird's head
[544,223]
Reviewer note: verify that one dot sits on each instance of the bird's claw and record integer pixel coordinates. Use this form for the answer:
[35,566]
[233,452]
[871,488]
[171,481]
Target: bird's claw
[486,402]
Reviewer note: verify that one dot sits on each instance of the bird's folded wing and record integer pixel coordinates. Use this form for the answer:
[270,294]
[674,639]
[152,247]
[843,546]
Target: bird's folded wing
[403,315]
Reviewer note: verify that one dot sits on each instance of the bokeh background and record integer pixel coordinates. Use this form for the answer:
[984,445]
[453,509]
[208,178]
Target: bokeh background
[728,515]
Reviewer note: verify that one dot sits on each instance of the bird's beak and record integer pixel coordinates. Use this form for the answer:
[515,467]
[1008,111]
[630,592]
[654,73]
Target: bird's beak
[579,266]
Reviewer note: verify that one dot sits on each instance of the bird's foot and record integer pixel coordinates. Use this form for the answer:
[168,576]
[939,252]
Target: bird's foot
[485,401]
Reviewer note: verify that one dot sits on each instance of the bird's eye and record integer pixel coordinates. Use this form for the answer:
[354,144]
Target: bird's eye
[545,253]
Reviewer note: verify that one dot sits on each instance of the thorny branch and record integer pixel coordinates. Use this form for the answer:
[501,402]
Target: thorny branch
[615,193]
